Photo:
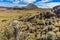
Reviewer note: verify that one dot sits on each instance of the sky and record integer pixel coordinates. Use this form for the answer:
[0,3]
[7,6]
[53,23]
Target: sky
[38,3]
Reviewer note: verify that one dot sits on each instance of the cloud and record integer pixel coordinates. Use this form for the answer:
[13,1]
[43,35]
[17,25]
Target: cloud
[16,1]
[10,0]
[7,4]
[40,4]
[6,0]
[52,4]
[47,5]
[45,0]
[28,1]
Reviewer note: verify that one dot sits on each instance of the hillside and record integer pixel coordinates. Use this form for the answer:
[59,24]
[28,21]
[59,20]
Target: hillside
[30,23]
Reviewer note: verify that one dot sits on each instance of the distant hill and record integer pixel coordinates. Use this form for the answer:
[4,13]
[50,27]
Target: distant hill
[31,7]
[28,7]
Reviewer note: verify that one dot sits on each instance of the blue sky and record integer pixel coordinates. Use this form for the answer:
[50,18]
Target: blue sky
[39,3]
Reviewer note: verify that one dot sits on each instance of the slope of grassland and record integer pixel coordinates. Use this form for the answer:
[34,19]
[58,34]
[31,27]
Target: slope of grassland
[8,14]
[26,28]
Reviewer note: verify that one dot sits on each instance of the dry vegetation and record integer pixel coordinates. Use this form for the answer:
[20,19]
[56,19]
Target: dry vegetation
[34,29]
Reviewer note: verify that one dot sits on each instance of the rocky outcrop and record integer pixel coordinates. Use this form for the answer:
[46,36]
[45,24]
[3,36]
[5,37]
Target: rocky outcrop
[57,10]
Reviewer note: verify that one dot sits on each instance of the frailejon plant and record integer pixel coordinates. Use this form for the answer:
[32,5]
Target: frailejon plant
[9,33]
